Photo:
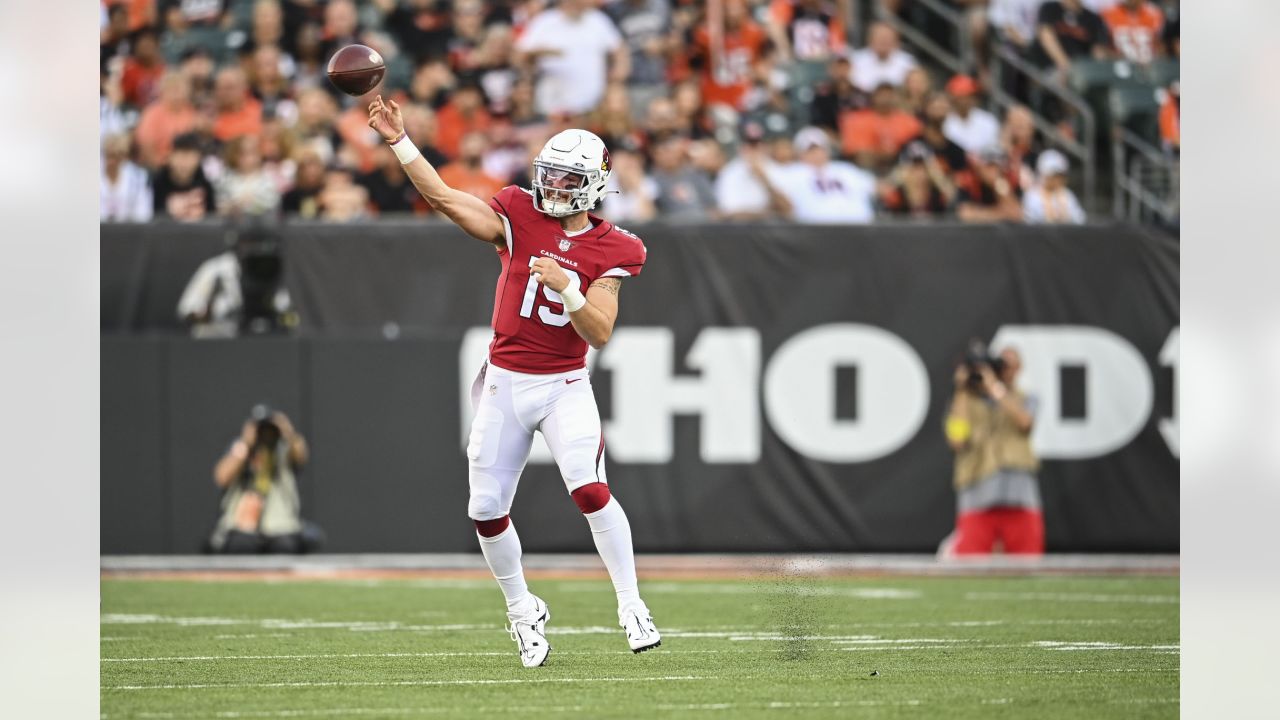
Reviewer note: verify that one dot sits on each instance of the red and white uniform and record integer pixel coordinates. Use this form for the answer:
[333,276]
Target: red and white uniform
[536,378]
[531,330]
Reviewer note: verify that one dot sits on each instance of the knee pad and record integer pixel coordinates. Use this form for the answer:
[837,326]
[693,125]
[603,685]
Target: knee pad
[591,497]
[484,506]
[493,528]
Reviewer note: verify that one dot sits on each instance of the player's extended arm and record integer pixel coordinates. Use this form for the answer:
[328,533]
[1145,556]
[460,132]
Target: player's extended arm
[467,211]
[594,320]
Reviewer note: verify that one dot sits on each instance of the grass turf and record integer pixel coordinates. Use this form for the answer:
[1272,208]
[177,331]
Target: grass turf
[885,647]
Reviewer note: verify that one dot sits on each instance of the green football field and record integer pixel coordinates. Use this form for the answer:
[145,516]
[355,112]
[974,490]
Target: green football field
[874,647]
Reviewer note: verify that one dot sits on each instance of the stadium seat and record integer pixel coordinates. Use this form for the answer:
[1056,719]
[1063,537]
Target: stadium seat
[1135,106]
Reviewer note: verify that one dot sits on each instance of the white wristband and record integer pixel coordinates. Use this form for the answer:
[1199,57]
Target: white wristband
[405,150]
[572,298]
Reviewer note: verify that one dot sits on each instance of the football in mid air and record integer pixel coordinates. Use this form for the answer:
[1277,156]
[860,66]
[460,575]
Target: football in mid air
[356,69]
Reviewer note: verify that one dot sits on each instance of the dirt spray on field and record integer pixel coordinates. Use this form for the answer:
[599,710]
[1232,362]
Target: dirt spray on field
[792,609]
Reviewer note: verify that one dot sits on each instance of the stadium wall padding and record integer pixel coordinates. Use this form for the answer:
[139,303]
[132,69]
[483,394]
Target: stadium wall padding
[851,331]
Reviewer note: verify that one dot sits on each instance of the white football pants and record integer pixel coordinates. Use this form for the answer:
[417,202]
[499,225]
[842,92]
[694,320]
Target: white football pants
[509,407]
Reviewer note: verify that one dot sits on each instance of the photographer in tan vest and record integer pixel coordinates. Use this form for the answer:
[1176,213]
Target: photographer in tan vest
[989,428]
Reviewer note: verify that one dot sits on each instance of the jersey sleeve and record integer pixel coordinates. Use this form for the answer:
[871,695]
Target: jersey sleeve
[502,203]
[628,258]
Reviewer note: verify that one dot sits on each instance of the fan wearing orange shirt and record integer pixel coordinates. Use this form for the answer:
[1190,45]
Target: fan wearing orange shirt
[1136,27]
[726,75]
[467,174]
[875,136]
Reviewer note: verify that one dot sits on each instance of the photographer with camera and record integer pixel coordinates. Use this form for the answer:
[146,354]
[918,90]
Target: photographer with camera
[260,509]
[989,429]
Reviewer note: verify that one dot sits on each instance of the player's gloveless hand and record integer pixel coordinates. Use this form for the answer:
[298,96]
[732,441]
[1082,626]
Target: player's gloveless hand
[547,272]
[385,117]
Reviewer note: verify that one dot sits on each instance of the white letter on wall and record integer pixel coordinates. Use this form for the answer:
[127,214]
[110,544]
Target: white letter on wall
[800,392]
[647,394]
[1118,391]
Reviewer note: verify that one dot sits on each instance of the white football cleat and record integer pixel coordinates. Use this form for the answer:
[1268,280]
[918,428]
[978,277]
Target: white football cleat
[641,633]
[530,633]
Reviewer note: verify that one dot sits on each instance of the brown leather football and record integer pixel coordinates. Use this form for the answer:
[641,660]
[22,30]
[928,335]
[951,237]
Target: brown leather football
[356,69]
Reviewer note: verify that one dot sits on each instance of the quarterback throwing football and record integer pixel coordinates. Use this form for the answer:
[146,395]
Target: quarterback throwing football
[557,293]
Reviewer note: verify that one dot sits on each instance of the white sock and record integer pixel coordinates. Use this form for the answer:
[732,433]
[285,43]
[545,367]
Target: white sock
[502,552]
[612,533]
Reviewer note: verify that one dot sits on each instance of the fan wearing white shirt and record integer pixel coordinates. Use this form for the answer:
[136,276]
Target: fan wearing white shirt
[747,187]
[881,61]
[1051,201]
[825,191]
[124,191]
[576,49]
[968,125]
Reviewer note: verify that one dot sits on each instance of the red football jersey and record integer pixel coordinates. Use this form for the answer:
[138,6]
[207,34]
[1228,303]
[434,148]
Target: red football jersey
[531,329]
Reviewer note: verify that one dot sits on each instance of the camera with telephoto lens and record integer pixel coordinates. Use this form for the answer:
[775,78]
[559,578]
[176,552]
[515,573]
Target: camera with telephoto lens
[268,432]
[978,355]
[258,249]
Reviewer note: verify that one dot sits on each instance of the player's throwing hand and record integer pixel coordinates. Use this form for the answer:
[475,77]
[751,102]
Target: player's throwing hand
[547,272]
[385,117]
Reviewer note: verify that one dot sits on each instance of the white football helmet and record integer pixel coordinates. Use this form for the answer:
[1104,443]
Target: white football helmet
[570,173]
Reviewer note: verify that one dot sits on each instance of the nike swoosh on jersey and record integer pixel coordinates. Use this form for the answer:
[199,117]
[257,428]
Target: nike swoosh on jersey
[570,382]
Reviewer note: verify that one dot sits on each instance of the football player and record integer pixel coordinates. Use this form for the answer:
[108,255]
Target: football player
[557,293]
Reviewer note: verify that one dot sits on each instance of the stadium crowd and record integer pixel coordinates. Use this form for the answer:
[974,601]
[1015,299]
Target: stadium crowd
[222,107]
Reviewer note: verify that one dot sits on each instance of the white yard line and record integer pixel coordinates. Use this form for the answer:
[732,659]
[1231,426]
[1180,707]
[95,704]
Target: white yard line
[408,683]
[1074,597]
[330,656]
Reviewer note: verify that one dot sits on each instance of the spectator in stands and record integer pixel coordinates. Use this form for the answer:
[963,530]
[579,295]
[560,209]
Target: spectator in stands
[747,188]
[986,195]
[464,113]
[919,187]
[114,39]
[260,509]
[825,191]
[1019,142]
[357,137]
[277,145]
[726,79]
[421,124]
[124,193]
[835,95]
[245,188]
[197,67]
[645,27]
[1014,23]
[1137,29]
[303,199]
[951,156]
[314,126]
[1171,119]
[808,31]
[388,186]
[989,428]
[576,49]
[169,116]
[341,27]
[421,27]
[237,112]
[1066,30]
[341,199]
[875,136]
[181,190]
[968,125]
[684,192]
[467,172]
[270,87]
[1051,201]
[143,69]
[916,90]
[632,195]
[882,61]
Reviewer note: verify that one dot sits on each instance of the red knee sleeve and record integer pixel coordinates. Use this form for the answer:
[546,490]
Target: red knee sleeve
[492,528]
[591,497]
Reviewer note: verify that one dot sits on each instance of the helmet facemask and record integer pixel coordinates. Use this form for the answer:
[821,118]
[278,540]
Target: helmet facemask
[561,191]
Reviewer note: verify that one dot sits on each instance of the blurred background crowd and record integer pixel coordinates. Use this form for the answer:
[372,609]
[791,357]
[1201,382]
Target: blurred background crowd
[807,110]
